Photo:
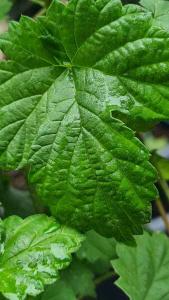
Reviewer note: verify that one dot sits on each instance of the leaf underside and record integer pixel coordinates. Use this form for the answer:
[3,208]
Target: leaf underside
[33,251]
[71,79]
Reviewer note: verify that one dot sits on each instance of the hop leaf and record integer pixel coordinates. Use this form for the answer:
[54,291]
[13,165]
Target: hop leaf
[79,71]
[143,269]
[32,253]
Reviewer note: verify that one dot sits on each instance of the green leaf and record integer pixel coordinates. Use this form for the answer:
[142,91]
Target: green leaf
[160,10]
[61,290]
[97,251]
[92,260]
[76,282]
[32,253]
[73,69]
[5,6]
[144,269]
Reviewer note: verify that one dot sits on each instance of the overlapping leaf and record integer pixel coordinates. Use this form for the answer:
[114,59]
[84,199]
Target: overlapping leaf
[76,282]
[144,270]
[92,260]
[32,252]
[160,10]
[68,74]
[97,251]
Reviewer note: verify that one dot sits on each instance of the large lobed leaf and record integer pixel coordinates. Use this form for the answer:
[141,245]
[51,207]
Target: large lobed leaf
[32,252]
[69,75]
[144,269]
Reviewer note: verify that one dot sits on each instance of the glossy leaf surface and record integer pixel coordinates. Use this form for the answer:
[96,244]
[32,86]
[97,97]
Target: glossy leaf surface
[32,252]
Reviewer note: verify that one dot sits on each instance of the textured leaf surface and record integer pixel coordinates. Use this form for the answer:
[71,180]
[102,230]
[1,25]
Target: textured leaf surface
[160,10]
[71,69]
[32,253]
[144,269]
[76,282]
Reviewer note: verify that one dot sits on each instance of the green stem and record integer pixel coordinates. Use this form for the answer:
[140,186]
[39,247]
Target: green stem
[164,185]
[165,188]
[41,12]
[162,182]
[104,277]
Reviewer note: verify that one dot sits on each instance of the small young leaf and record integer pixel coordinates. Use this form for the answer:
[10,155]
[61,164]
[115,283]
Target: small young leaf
[32,253]
[144,269]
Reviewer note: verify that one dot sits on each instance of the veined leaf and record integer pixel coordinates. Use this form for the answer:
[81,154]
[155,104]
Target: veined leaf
[74,69]
[32,253]
[160,10]
[144,270]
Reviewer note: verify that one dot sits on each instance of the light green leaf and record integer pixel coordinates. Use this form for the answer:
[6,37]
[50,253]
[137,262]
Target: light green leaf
[32,253]
[5,6]
[76,282]
[144,269]
[160,10]
[72,74]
